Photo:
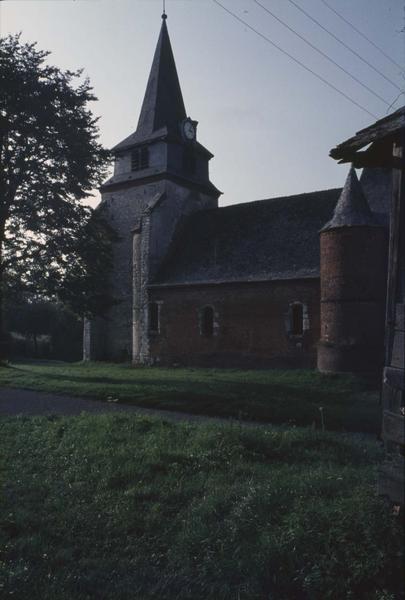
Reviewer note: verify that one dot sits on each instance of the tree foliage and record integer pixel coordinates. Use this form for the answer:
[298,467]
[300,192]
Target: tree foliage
[50,159]
[34,319]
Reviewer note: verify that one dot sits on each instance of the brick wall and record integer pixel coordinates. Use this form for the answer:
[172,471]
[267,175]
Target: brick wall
[252,324]
[353,288]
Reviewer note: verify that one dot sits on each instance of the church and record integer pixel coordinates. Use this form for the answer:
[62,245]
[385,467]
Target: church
[295,281]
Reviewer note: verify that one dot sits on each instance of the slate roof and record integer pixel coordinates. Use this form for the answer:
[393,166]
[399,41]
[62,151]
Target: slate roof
[377,188]
[151,173]
[256,241]
[352,209]
[163,106]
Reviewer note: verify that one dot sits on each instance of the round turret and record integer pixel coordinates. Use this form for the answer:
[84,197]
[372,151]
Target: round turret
[353,282]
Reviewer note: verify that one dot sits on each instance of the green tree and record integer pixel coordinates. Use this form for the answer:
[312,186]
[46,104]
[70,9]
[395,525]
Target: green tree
[35,317]
[31,319]
[50,159]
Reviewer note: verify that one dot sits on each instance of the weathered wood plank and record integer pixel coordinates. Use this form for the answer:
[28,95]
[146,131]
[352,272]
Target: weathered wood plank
[398,350]
[379,155]
[383,128]
[397,200]
[391,482]
[393,427]
[395,378]
[400,317]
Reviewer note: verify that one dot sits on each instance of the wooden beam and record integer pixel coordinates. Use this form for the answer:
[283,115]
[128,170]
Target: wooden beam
[396,216]
[388,127]
[394,378]
[363,159]
[393,427]
[391,481]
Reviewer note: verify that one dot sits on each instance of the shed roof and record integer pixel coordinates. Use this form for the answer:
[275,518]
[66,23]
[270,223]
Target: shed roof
[264,240]
[380,135]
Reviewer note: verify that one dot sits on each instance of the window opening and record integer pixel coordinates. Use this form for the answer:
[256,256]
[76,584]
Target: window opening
[154,317]
[297,319]
[207,321]
[140,158]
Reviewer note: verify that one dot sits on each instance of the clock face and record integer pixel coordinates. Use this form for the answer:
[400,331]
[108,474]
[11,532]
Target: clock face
[189,130]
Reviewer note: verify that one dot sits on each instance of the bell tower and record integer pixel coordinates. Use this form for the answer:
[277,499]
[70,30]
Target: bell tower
[164,145]
[161,176]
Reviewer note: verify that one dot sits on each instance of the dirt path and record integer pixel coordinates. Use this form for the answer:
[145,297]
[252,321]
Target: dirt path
[15,402]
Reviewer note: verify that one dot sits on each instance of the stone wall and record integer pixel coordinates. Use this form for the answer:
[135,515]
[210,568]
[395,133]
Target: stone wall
[123,210]
[146,218]
[252,325]
[159,225]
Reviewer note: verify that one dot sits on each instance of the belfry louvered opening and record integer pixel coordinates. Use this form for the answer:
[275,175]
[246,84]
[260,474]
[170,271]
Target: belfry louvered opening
[140,158]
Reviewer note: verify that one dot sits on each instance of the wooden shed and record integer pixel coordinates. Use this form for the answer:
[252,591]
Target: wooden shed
[383,145]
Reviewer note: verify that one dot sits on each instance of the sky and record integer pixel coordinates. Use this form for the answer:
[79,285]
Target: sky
[269,122]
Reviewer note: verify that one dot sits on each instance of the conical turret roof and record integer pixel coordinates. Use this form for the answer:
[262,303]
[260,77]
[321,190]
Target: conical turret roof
[352,209]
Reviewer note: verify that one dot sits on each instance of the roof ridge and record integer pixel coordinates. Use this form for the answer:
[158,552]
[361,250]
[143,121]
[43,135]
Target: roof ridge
[292,196]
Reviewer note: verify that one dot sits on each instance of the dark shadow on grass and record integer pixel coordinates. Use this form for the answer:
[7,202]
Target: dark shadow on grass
[302,389]
[184,390]
[283,401]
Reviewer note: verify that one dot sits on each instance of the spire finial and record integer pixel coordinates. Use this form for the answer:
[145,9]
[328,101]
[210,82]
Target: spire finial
[164,15]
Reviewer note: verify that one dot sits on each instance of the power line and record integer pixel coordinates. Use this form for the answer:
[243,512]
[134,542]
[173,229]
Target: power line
[363,35]
[344,45]
[321,52]
[393,102]
[268,40]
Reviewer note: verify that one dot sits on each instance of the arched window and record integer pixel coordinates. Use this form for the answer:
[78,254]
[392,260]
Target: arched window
[154,317]
[297,319]
[207,321]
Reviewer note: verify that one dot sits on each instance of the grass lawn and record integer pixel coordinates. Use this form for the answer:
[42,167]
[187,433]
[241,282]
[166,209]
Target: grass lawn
[274,396]
[123,507]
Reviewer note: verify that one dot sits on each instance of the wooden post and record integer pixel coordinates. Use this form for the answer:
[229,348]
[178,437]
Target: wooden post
[386,141]
[391,475]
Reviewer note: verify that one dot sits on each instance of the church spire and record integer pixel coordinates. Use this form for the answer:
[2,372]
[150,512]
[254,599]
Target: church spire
[163,104]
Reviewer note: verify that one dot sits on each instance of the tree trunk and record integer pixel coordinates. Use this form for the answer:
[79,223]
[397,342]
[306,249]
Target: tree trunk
[4,336]
[35,340]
